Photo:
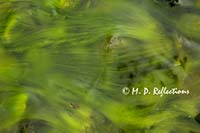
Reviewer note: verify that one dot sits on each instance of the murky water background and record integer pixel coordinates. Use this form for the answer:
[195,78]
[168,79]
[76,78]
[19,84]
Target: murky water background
[63,64]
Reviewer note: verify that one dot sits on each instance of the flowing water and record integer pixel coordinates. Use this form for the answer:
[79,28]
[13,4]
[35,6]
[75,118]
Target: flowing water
[63,64]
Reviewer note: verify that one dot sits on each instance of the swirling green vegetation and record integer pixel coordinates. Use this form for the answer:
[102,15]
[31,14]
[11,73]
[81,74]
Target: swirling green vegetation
[63,64]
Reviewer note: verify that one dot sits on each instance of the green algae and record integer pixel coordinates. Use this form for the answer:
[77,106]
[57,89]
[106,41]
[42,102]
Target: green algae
[63,64]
